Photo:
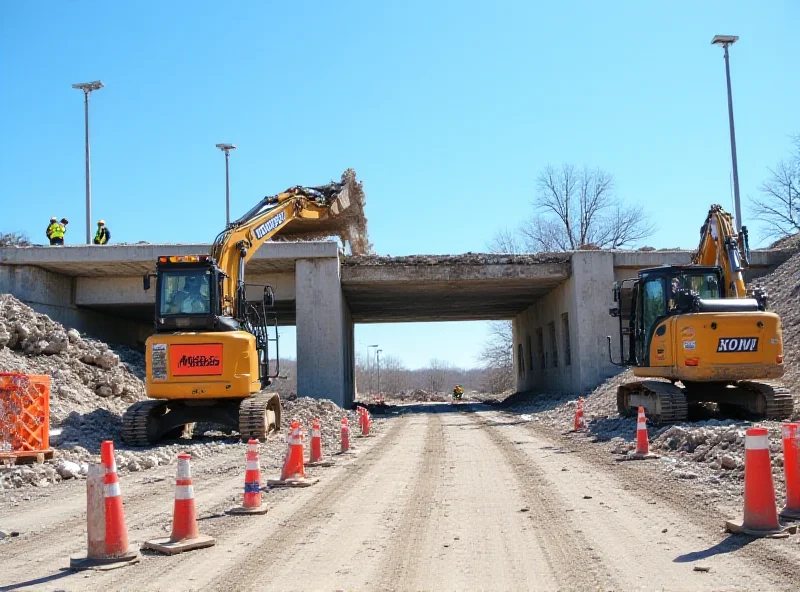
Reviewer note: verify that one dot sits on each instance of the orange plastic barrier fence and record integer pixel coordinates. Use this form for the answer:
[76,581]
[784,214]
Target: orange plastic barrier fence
[24,413]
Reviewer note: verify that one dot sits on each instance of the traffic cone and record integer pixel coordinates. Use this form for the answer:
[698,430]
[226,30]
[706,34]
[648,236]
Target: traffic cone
[365,423]
[293,473]
[252,484]
[580,423]
[791,470]
[642,443]
[316,446]
[760,513]
[106,531]
[345,434]
[185,533]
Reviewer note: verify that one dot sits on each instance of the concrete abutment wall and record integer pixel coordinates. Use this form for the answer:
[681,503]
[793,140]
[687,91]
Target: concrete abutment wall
[560,341]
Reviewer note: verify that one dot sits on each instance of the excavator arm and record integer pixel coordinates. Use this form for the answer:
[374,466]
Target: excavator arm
[234,247]
[722,246]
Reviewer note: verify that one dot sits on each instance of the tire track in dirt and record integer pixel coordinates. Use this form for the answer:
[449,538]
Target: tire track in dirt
[560,541]
[407,546]
[269,556]
[475,535]
[779,558]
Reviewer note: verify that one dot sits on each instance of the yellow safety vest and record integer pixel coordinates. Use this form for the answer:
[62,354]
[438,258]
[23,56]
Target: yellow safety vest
[55,230]
[101,237]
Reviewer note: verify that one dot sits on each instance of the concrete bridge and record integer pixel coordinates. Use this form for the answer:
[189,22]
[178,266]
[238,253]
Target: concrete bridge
[558,302]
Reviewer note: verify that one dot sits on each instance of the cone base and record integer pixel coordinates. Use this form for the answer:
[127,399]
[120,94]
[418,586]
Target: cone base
[789,514]
[167,547]
[320,463]
[638,456]
[84,563]
[253,511]
[364,436]
[738,527]
[298,482]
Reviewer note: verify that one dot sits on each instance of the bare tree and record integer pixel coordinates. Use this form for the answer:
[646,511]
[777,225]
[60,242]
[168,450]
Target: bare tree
[497,358]
[394,376]
[14,239]
[779,206]
[575,207]
[437,375]
[506,241]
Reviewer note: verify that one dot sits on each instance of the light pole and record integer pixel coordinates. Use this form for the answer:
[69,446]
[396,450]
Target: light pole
[226,148]
[378,354]
[369,364]
[725,41]
[88,87]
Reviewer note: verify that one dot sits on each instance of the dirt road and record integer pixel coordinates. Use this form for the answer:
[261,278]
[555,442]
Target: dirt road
[444,498]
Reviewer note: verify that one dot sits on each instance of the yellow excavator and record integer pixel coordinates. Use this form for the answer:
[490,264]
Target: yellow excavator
[208,360]
[699,327]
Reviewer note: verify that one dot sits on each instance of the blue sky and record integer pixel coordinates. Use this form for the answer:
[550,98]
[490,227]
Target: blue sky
[447,110]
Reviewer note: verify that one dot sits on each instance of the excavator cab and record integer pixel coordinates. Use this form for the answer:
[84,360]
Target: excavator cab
[658,293]
[676,323]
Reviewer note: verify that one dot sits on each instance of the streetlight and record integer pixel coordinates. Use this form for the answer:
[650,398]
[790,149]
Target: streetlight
[226,148]
[725,41]
[88,87]
[378,354]
[369,374]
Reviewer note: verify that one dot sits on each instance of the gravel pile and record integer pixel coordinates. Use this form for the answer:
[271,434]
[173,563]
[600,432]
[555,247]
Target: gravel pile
[330,416]
[783,289]
[85,374]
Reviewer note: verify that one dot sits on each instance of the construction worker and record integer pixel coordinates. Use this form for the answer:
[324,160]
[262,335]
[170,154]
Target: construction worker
[103,234]
[458,392]
[195,301]
[55,232]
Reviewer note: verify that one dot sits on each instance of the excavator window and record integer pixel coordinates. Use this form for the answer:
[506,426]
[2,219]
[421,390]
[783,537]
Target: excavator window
[185,292]
[653,306]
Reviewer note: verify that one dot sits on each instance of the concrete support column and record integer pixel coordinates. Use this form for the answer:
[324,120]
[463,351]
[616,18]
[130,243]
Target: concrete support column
[592,279]
[325,344]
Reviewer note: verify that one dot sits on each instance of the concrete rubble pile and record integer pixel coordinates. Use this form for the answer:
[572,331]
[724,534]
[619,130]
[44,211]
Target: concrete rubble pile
[85,374]
[465,259]
[420,396]
[330,415]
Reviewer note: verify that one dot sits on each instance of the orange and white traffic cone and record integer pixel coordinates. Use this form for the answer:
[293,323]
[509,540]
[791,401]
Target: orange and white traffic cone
[760,512]
[345,435]
[252,484]
[316,441]
[580,423]
[791,470]
[106,531]
[293,473]
[185,533]
[365,422]
[642,442]
[316,446]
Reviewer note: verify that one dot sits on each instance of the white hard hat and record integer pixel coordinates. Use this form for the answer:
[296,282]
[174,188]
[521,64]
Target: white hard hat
[53,219]
[101,222]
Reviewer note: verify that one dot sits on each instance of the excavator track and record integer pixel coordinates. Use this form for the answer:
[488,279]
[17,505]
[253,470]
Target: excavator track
[140,423]
[259,416]
[664,402]
[778,402]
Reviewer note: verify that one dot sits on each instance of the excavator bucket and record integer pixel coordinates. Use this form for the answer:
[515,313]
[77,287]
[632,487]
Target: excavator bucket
[345,216]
